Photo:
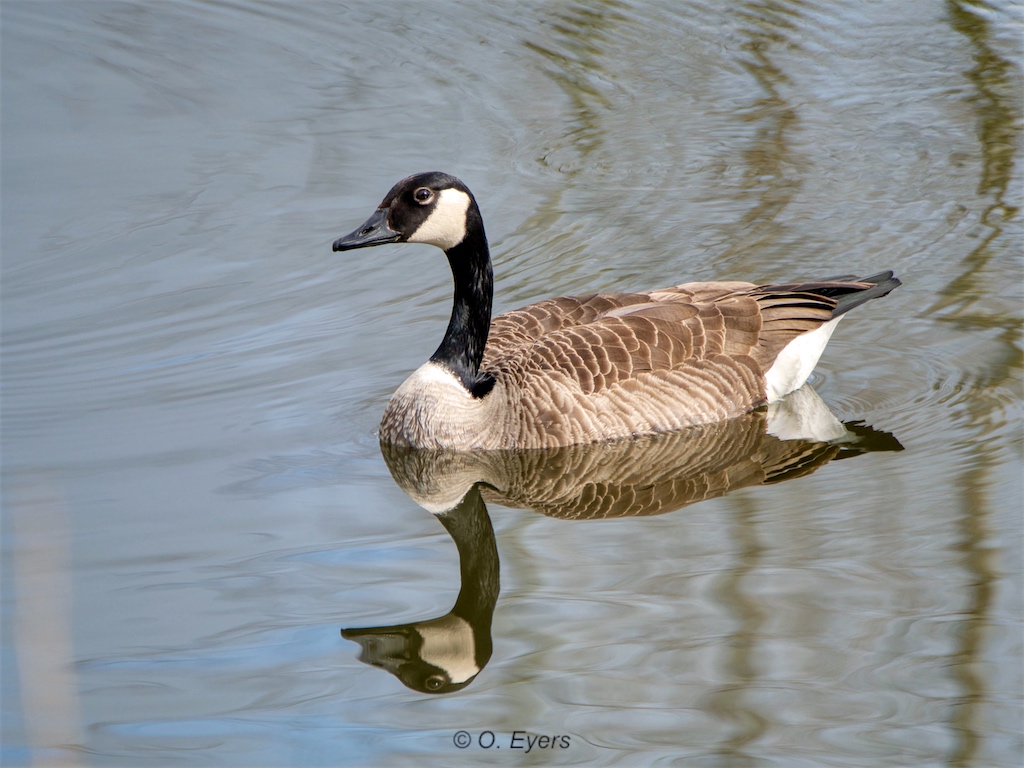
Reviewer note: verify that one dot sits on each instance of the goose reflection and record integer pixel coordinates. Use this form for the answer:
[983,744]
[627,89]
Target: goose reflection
[624,478]
[444,654]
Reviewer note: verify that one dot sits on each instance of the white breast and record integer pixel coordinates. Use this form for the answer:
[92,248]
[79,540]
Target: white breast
[433,410]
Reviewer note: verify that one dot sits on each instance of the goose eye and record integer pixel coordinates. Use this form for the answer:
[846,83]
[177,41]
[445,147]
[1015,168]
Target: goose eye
[423,195]
[435,682]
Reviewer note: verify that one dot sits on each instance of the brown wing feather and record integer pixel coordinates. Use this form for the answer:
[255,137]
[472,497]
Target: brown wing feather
[618,364]
[521,327]
[607,338]
[784,316]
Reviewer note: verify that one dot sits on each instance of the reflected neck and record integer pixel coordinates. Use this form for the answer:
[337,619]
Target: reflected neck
[470,527]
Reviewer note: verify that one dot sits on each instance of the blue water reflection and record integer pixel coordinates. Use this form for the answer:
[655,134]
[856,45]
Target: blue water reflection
[194,500]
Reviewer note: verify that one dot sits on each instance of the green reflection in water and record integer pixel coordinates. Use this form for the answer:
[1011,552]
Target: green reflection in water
[998,120]
[576,68]
[998,117]
[772,168]
[731,702]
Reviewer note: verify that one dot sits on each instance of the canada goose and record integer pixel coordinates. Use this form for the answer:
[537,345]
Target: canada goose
[579,369]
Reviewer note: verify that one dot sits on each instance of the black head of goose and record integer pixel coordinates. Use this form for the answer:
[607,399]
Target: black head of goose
[578,369]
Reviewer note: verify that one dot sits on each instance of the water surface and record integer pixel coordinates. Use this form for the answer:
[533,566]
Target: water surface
[195,502]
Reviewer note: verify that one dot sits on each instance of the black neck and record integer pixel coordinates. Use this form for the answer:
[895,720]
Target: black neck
[470,527]
[462,348]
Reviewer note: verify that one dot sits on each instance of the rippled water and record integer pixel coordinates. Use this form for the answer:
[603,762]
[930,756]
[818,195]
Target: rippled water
[194,499]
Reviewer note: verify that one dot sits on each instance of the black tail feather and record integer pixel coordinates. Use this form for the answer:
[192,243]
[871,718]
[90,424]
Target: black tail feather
[882,283]
[846,291]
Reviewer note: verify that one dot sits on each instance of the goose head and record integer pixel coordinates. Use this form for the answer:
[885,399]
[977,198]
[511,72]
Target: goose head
[442,655]
[433,208]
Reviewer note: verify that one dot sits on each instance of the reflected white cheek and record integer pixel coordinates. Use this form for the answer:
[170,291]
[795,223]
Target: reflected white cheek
[449,644]
[446,225]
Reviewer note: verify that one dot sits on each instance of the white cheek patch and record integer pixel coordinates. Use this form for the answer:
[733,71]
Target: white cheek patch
[446,225]
[449,644]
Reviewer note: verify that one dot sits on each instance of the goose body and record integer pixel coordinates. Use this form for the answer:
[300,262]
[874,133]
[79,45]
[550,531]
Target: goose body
[579,369]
